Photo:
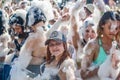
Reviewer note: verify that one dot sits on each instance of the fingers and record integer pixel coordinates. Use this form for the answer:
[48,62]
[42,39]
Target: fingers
[65,17]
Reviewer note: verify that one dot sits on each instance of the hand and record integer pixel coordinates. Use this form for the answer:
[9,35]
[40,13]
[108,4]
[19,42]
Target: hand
[65,17]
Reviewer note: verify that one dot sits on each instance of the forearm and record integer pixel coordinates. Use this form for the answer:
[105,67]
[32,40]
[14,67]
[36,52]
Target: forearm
[68,68]
[18,70]
[55,26]
[78,5]
[88,74]
[101,5]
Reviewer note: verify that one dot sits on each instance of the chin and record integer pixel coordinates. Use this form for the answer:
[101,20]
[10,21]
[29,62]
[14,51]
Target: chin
[111,37]
[56,53]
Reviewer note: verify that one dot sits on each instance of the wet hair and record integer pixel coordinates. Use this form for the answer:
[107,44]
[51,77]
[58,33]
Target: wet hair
[34,16]
[109,15]
[63,57]
[2,28]
[117,15]
[17,20]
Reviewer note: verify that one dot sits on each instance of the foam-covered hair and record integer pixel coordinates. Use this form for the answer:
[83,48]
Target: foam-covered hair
[34,16]
[18,17]
[39,11]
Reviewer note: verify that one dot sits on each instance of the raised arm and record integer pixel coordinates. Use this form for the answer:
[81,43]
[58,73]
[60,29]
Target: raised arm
[18,71]
[101,5]
[63,20]
[78,5]
[87,68]
[75,21]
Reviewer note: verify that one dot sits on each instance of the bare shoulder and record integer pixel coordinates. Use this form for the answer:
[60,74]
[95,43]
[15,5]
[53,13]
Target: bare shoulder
[92,43]
[30,41]
[91,46]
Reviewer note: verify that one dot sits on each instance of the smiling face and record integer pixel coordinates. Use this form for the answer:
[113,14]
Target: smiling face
[56,48]
[89,33]
[110,29]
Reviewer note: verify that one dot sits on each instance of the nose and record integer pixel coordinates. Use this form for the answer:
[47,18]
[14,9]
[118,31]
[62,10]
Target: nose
[90,35]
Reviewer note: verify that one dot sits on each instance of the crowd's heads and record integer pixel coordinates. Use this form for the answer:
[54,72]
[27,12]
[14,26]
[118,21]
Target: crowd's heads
[18,18]
[2,22]
[107,16]
[57,36]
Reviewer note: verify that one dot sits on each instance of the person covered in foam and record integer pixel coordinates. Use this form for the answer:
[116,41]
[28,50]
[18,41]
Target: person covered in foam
[4,39]
[17,26]
[110,69]
[98,49]
[81,30]
[4,36]
[33,52]
[59,65]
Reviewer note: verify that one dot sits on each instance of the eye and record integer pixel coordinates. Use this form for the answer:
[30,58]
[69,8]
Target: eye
[87,31]
[58,43]
[51,45]
[116,28]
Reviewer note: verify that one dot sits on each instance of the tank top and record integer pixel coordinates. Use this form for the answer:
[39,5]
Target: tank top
[101,56]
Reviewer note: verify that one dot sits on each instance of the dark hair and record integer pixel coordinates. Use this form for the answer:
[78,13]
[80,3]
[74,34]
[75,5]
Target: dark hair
[63,57]
[17,20]
[88,12]
[109,15]
[38,16]
[117,16]
[2,28]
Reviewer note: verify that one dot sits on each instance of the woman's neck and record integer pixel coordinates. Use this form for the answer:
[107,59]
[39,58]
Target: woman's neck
[106,41]
[40,24]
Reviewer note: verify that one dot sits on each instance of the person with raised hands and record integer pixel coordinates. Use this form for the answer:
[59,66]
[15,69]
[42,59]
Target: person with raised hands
[97,50]
[112,72]
[33,52]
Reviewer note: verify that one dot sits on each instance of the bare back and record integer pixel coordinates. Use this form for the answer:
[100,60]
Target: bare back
[36,43]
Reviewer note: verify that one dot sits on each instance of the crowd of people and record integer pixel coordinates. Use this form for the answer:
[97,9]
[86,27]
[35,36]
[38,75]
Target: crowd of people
[52,40]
